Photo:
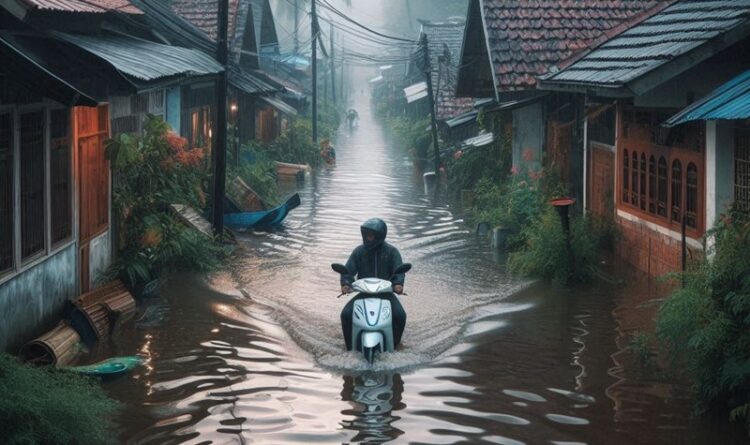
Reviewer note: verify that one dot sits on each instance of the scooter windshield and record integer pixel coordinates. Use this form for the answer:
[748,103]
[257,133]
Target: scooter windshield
[372,286]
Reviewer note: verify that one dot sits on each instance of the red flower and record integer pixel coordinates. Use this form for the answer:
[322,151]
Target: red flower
[528,155]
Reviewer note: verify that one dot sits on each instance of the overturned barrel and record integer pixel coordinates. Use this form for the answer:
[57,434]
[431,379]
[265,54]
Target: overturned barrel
[96,311]
[58,347]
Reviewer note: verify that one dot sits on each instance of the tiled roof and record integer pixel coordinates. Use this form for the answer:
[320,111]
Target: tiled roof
[661,38]
[91,6]
[528,38]
[445,40]
[204,15]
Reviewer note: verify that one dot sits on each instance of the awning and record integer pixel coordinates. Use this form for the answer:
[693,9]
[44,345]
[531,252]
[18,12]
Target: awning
[479,141]
[729,101]
[279,105]
[376,79]
[143,60]
[415,92]
[515,104]
[29,69]
[462,119]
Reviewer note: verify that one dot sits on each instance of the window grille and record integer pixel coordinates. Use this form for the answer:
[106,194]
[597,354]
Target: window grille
[6,192]
[32,183]
[742,168]
[691,211]
[60,176]
[634,180]
[676,191]
[652,184]
[661,203]
[625,177]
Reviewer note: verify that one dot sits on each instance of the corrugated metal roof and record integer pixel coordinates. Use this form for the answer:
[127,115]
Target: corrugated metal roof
[415,92]
[729,101]
[674,31]
[248,82]
[144,60]
[90,6]
[279,105]
[27,68]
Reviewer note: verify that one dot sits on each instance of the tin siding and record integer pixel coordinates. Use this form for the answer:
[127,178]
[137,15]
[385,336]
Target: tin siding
[32,300]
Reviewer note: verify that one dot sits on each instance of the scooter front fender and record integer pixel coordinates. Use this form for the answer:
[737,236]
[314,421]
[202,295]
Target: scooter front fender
[373,339]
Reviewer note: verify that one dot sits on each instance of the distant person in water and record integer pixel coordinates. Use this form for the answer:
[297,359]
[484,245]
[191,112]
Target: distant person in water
[351,117]
[327,152]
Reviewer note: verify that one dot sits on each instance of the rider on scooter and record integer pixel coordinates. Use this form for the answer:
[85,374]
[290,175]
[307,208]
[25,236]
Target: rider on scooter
[374,259]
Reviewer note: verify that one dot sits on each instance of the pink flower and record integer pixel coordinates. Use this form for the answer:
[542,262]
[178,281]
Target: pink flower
[514,170]
[528,155]
[536,175]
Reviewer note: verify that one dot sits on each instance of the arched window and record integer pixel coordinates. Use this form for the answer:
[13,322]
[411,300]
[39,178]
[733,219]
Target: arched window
[661,200]
[625,177]
[643,181]
[634,180]
[676,191]
[652,184]
[691,203]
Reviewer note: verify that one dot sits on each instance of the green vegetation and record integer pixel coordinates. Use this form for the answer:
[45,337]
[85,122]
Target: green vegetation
[258,171]
[151,172]
[705,325]
[50,406]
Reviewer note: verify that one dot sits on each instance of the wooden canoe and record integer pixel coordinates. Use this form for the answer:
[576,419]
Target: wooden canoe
[265,218]
[285,169]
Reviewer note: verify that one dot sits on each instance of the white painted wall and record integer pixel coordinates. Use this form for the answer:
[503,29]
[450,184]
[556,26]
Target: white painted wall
[719,169]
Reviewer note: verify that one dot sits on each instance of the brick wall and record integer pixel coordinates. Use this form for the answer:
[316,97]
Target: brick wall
[648,250]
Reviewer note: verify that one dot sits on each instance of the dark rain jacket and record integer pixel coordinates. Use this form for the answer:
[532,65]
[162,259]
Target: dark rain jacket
[379,262]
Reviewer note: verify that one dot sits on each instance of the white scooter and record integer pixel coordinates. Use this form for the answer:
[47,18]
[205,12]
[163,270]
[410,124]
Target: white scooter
[372,327]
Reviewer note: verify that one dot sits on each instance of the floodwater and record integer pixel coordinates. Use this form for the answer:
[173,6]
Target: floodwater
[256,356]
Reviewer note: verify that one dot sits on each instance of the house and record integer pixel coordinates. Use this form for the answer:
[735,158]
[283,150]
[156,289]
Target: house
[508,44]
[662,177]
[57,229]
[257,107]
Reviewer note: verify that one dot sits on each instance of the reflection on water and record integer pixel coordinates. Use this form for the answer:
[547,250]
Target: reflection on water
[256,355]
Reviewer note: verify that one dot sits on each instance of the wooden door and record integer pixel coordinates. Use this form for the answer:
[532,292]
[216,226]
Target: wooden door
[92,130]
[601,181]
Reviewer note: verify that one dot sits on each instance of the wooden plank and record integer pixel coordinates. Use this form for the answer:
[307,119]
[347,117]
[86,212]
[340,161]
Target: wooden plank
[193,219]
[244,197]
[283,168]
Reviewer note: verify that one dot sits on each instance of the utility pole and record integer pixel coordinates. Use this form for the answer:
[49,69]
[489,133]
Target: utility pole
[220,145]
[428,77]
[314,27]
[333,70]
[296,27]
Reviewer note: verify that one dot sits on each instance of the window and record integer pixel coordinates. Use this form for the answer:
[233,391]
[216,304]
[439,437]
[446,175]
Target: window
[634,181]
[32,183]
[661,202]
[643,181]
[691,212]
[662,184]
[6,192]
[742,168]
[652,184]
[676,191]
[60,176]
[625,177]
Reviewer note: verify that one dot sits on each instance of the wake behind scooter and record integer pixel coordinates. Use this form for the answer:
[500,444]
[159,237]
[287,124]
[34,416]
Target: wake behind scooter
[372,323]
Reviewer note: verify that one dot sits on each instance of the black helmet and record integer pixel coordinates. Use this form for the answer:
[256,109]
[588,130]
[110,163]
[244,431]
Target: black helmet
[378,227]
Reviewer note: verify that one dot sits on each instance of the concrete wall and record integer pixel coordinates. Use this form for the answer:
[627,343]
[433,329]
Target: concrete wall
[528,134]
[719,169]
[31,302]
[100,257]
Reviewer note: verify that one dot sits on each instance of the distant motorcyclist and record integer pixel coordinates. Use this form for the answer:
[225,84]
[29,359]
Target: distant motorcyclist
[351,117]
[374,258]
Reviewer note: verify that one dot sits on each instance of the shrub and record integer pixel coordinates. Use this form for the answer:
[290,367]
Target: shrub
[258,170]
[544,253]
[46,405]
[705,325]
[151,172]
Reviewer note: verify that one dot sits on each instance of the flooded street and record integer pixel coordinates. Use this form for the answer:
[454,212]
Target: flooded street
[258,357]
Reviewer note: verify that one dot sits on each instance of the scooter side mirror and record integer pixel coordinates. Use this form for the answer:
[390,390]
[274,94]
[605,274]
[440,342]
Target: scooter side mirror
[340,268]
[406,267]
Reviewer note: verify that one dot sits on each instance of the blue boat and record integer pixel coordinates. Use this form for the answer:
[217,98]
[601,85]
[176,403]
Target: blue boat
[109,368]
[265,218]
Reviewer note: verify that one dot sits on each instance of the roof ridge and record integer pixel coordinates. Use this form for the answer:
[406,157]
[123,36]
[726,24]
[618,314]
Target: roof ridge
[617,30]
